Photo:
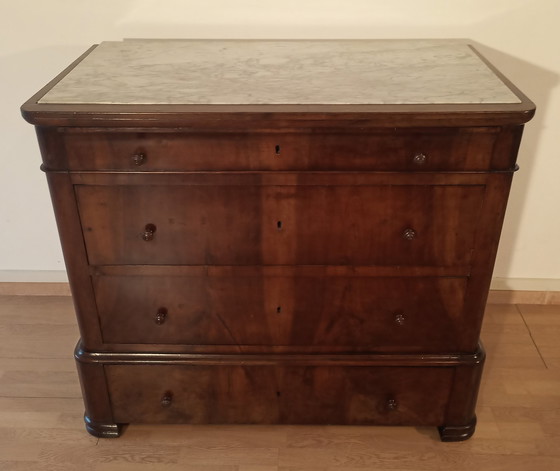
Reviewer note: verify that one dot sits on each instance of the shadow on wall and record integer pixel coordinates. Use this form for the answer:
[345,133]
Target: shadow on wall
[537,83]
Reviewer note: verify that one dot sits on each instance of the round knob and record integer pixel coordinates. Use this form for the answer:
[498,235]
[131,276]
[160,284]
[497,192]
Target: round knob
[149,232]
[161,315]
[392,404]
[167,399]
[139,158]
[399,318]
[419,159]
[409,234]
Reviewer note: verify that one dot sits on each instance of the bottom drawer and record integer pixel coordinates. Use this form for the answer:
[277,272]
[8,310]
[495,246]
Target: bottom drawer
[279,394]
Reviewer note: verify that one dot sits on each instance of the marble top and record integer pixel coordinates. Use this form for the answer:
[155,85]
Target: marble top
[250,72]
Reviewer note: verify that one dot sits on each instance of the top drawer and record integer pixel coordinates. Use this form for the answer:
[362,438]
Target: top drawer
[454,149]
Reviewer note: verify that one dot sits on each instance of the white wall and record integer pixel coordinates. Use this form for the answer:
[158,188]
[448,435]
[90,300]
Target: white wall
[521,37]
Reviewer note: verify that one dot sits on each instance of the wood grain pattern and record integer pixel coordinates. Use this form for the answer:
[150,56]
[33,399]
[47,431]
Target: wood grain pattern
[279,395]
[351,313]
[273,225]
[394,150]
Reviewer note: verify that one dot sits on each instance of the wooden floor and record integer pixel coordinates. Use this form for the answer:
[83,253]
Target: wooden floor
[41,425]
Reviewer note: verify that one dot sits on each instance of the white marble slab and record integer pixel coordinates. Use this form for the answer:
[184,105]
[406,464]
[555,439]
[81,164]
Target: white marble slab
[281,72]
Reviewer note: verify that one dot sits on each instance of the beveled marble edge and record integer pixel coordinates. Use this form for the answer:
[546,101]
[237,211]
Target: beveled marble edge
[291,72]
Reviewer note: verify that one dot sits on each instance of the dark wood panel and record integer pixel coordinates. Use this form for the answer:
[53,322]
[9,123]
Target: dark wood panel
[368,314]
[280,395]
[396,149]
[75,256]
[383,225]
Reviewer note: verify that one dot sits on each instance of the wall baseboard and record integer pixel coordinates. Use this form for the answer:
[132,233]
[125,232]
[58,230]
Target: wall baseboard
[523,297]
[33,276]
[525,284]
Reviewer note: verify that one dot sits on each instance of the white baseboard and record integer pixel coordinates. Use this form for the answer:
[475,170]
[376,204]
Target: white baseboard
[525,284]
[33,276]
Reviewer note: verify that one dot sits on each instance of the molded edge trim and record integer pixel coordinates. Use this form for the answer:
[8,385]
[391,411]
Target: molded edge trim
[369,360]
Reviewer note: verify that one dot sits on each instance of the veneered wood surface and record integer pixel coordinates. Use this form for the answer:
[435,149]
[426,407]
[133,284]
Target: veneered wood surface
[394,149]
[268,394]
[325,225]
[359,313]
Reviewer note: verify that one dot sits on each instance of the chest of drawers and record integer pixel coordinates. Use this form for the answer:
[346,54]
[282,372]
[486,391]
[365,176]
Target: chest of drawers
[296,232]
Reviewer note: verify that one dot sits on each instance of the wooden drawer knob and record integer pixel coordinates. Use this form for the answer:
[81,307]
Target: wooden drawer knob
[161,315]
[409,234]
[149,232]
[419,159]
[392,404]
[139,158]
[167,399]
[399,318]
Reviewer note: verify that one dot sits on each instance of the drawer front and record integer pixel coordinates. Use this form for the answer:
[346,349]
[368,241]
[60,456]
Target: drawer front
[398,149]
[280,225]
[276,394]
[371,314]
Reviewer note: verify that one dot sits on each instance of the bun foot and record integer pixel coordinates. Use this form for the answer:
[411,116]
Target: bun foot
[102,430]
[457,433]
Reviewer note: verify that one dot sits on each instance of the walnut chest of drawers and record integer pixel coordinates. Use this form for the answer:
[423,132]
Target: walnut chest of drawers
[269,232]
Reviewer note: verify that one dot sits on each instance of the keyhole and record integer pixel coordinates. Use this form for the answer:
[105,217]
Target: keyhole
[278,309]
[279,225]
[277,149]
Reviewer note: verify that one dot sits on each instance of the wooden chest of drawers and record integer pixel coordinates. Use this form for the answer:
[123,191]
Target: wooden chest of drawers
[237,260]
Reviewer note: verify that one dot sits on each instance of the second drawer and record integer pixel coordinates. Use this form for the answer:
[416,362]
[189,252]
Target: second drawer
[423,225]
[357,313]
